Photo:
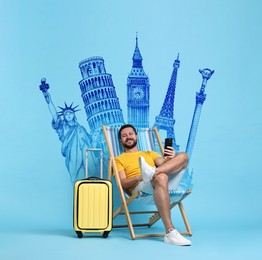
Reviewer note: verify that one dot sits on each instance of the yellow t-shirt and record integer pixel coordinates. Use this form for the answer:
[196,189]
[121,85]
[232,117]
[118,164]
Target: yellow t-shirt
[129,162]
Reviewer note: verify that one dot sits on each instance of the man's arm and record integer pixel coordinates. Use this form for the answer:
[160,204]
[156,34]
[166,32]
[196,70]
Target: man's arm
[170,153]
[128,183]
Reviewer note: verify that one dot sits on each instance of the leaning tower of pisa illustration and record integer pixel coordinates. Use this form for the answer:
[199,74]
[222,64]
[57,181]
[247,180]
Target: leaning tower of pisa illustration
[99,95]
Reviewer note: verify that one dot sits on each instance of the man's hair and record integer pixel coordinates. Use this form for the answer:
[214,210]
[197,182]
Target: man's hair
[123,127]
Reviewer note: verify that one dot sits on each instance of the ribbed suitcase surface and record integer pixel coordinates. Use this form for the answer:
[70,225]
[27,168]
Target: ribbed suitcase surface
[93,202]
[93,206]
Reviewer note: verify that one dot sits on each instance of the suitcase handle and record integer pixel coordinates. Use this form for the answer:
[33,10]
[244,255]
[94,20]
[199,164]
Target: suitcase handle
[92,178]
[101,161]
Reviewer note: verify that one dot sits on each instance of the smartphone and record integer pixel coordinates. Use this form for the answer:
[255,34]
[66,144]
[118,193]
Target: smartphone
[168,142]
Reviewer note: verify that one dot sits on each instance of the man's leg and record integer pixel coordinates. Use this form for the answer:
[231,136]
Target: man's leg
[162,201]
[171,166]
[174,165]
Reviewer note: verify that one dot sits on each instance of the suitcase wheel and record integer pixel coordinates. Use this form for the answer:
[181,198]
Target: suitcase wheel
[79,234]
[105,234]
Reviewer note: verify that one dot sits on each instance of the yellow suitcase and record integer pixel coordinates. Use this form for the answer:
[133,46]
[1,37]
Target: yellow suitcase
[93,204]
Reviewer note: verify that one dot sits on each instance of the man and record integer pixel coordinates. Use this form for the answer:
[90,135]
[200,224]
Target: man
[139,169]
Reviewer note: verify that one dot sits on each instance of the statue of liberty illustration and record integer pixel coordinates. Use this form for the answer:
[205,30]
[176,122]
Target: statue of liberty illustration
[73,136]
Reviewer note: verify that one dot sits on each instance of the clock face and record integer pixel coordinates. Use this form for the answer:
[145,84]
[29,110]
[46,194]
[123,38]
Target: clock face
[138,93]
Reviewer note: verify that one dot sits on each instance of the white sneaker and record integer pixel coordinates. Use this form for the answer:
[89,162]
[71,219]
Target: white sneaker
[175,238]
[144,187]
[147,171]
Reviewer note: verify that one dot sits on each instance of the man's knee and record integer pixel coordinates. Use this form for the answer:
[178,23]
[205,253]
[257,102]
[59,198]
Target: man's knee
[161,179]
[184,158]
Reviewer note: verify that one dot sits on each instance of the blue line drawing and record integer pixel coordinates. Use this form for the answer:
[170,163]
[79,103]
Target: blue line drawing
[165,120]
[200,99]
[138,89]
[186,182]
[73,136]
[99,95]
[102,107]
[101,104]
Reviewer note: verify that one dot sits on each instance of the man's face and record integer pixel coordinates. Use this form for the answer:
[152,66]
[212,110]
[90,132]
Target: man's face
[128,138]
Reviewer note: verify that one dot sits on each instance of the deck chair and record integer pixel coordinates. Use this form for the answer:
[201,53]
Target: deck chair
[148,139]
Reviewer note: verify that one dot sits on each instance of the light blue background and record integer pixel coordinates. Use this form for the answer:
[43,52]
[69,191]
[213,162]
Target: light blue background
[49,38]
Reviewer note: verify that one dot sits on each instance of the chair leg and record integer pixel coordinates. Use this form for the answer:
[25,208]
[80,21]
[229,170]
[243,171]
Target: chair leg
[124,206]
[153,219]
[121,208]
[183,213]
[109,171]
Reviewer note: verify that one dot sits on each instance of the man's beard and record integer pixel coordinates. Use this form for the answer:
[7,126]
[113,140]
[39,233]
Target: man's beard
[130,146]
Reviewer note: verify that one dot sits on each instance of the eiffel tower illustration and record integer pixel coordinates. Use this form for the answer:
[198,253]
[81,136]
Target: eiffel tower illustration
[165,120]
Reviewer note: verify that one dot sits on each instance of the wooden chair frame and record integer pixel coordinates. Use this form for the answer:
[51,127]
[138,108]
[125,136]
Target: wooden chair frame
[123,209]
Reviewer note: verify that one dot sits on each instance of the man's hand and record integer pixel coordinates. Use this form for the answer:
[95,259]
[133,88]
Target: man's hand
[169,152]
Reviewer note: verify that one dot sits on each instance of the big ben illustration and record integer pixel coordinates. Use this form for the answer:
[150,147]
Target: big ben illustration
[138,92]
